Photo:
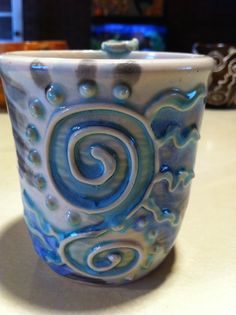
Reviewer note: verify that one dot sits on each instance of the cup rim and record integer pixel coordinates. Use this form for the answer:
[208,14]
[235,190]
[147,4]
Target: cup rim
[179,60]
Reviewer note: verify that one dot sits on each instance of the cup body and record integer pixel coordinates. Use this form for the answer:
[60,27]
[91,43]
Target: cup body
[222,83]
[106,150]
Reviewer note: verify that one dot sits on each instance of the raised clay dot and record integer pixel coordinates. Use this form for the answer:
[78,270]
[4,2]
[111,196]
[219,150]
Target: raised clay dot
[32,133]
[114,258]
[51,202]
[36,108]
[72,217]
[121,92]
[166,211]
[156,247]
[152,234]
[34,157]
[40,182]
[87,89]
[55,94]
[142,222]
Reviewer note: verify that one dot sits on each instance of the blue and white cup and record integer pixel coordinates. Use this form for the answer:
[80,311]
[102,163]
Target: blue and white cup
[106,144]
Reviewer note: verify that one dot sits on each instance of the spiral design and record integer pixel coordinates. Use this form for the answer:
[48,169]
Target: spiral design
[107,259]
[217,98]
[232,67]
[219,60]
[101,157]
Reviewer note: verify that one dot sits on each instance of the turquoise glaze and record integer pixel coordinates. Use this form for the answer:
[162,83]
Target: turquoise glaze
[106,145]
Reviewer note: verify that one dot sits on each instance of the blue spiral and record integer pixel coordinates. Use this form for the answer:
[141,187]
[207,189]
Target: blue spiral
[101,157]
[108,259]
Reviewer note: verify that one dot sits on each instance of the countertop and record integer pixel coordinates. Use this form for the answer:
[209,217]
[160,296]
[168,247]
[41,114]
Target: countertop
[198,276]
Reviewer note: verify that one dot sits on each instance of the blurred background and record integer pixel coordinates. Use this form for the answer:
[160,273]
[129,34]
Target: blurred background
[159,24]
[199,26]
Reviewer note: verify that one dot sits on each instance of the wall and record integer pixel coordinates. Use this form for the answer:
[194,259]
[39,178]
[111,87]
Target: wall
[200,20]
[58,19]
[189,21]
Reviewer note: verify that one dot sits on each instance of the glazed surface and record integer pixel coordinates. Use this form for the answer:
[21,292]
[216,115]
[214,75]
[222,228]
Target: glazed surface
[106,158]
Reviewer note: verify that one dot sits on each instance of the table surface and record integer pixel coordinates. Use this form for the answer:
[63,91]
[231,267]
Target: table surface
[198,276]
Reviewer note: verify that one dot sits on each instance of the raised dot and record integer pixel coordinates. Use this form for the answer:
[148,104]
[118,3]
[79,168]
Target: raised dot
[36,108]
[142,222]
[156,247]
[87,89]
[152,234]
[55,94]
[114,258]
[166,211]
[34,157]
[72,217]
[51,202]
[32,133]
[40,182]
[121,92]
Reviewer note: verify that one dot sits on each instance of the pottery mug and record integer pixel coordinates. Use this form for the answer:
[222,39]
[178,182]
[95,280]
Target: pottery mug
[106,144]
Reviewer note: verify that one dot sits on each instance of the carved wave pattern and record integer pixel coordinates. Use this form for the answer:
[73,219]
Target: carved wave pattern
[105,256]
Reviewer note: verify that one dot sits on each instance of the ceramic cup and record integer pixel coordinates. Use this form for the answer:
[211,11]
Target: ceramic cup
[28,45]
[106,143]
[222,84]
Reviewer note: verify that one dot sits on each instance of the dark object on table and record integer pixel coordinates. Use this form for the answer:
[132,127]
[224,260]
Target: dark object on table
[222,84]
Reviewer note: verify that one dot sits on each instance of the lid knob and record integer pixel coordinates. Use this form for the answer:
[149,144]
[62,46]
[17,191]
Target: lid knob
[118,47]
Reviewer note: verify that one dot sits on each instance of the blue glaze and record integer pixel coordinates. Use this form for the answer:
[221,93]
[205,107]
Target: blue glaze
[87,89]
[55,94]
[100,261]
[72,218]
[164,168]
[96,167]
[166,211]
[37,109]
[93,197]
[192,94]
[178,99]
[121,92]
[38,66]
[51,202]
[32,133]
[40,182]
[46,240]
[152,210]
[168,115]
[36,221]
[34,157]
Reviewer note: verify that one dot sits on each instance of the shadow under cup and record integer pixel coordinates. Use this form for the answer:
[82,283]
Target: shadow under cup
[106,150]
